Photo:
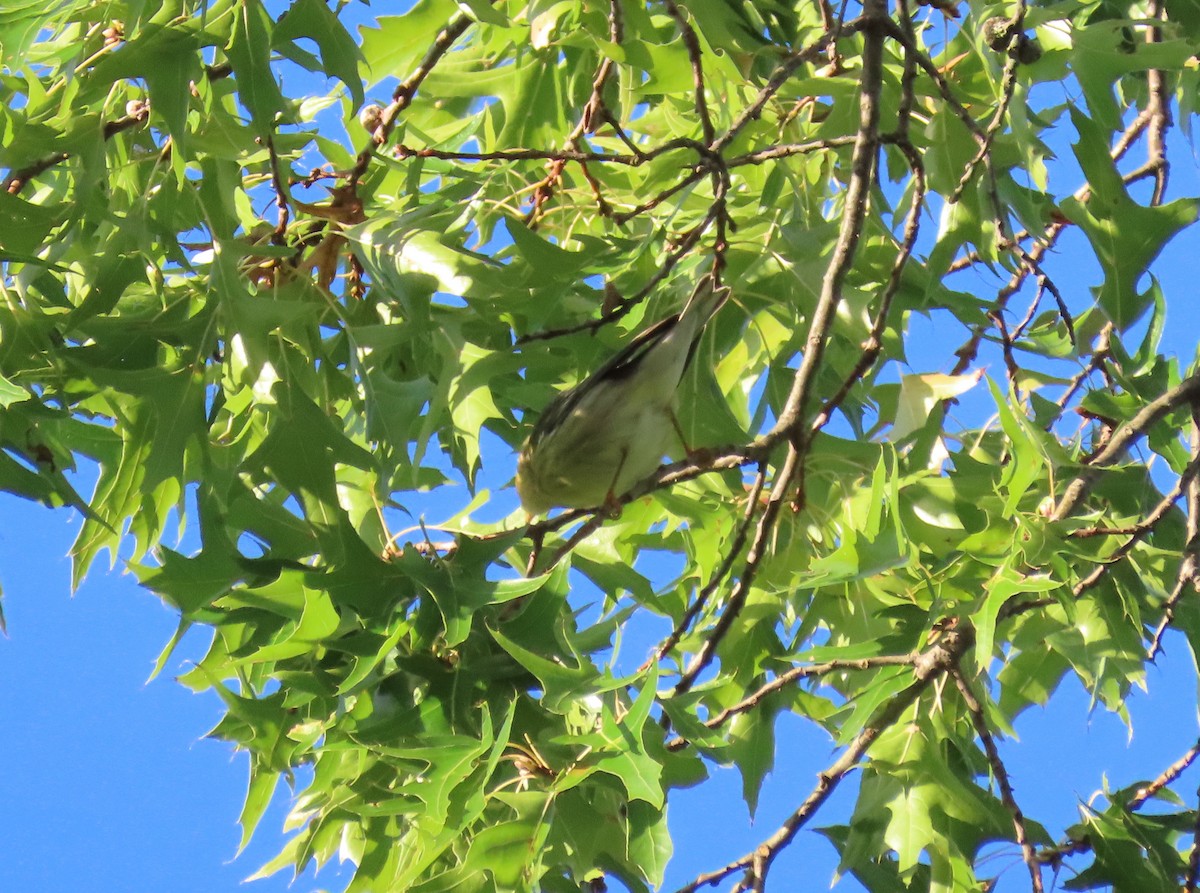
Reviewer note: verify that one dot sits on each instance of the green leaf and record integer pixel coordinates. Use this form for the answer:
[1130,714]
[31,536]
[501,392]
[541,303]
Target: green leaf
[318,622]
[192,583]
[650,844]
[752,748]
[398,41]
[11,393]
[460,597]
[506,850]
[483,11]
[561,683]
[1104,51]
[249,52]
[1026,443]
[1126,236]
[340,55]
[546,258]
[1131,854]
[1005,585]
[263,782]
[165,411]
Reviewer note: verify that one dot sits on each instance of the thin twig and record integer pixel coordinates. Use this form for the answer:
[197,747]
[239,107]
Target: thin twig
[1186,391]
[791,417]
[1158,107]
[1029,314]
[1164,778]
[594,110]
[1193,866]
[402,151]
[786,150]
[783,71]
[783,680]
[975,711]
[691,43]
[1010,362]
[732,551]
[281,195]
[1142,529]
[943,87]
[689,179]
[681,249]
[19,179]
[928,666]
[1189,567]
[983,150]
[594,523]
[1049,238]
[1074,846]
[406,91]
[741,589]
[1100,355]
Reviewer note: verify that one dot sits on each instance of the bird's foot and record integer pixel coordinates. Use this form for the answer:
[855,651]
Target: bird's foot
[612,506]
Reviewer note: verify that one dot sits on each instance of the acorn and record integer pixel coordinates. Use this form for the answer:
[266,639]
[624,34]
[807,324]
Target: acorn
[1028,50]
[370,117]
[997,31]
[998,34]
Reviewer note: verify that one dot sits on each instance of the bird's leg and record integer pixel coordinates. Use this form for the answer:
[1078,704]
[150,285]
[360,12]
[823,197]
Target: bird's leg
[612,505]
[537,535]
[698,456]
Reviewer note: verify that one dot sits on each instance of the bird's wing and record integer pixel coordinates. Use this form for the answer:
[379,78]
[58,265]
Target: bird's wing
[619,366]
[699,308]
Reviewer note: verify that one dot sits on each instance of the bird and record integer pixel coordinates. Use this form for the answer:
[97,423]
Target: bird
[594,441]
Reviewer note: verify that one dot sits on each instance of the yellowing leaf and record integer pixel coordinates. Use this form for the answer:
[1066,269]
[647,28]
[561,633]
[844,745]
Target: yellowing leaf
[919,394]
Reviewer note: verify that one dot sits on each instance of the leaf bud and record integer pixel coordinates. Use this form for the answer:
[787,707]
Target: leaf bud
[114,33]
[370,117]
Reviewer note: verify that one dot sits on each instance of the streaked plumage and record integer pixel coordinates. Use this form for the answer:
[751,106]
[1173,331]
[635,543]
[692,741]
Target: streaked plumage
[599,438]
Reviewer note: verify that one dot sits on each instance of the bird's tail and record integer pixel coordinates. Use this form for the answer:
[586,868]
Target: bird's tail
[705,301]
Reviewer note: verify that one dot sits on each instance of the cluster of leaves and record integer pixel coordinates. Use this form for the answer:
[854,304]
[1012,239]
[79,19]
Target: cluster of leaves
[291,372]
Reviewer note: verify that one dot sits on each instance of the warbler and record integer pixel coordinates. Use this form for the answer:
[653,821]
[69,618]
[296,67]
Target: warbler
[596,440]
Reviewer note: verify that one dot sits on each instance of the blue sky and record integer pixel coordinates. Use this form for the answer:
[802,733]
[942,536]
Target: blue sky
[109,785]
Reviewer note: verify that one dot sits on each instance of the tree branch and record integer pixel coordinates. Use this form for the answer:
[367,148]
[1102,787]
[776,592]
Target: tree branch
[975,711]
[783,680]
[1158,107]
[19,179]
[1189,568]
[691,43]
[940,658]
[874,343]
[791,417]
[1186,391]
[404,93]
